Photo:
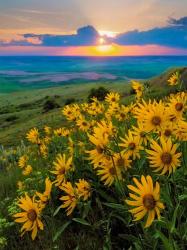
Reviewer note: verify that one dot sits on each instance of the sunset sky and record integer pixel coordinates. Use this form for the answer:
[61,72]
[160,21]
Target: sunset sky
[95,28]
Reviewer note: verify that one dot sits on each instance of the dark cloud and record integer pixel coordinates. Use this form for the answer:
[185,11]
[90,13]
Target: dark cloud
[85,36]
[172,35]
[181,22]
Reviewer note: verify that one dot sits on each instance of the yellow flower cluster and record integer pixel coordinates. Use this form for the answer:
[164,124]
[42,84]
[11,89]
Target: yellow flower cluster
[110,139]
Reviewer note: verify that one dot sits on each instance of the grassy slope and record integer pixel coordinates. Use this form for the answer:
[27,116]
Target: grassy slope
[26,107]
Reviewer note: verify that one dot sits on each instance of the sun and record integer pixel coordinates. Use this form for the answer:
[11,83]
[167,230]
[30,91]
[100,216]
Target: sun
[101,40]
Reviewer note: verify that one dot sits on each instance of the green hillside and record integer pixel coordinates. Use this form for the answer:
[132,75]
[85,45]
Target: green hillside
[22,110]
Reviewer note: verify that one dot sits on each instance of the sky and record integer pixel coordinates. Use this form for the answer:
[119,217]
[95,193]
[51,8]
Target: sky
[96,28]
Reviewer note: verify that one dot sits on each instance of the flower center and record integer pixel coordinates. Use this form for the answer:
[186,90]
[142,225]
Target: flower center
[120,162]
[84,124]
[62,171]
[156,120]
[122,115]
[32,215]
[149,201]
[167,132]
[99,149]
[112,171]
[166,158]
[132,146]
[113,99]
[142,134]
[179,106]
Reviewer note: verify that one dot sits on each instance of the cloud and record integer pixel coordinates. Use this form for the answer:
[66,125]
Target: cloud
[173,35]
[85,36]
[181,22]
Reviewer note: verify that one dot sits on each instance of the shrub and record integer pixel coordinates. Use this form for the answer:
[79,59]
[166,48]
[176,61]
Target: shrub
[50,105]
[69,101]
[99,93]
[11,118]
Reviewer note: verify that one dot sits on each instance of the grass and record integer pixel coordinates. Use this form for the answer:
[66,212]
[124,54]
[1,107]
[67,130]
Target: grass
[27,107]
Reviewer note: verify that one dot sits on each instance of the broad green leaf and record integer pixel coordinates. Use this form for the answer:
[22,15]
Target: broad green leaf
[61,230]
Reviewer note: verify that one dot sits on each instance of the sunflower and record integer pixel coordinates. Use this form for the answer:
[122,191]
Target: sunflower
[22,162]
[138,88]
[44,197]
[174,79]
[27,170]
[180,131]
[30,216]
[164,157]
[122,113]
[61,168]
[122,160]
[100,140]
[83,189]
[82,123]
[43,149]
[131,144]
[70,199]
[167,130]
[152,115]
[154,118]
[71,112]
[62,132]
[176,107]
[47,130]
[141,133]
[33,136]
[112,97]
[146,199]
[109,172]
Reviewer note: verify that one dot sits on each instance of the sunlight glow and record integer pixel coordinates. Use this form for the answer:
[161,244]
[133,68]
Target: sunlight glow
[101,40]
[108,33]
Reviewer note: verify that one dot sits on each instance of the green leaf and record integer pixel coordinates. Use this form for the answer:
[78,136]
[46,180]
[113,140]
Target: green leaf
[165,240]
[183,197]
[86,209]
[174,219]
[81,221]
[115,206]
[56,211]
[61,230]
